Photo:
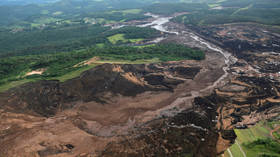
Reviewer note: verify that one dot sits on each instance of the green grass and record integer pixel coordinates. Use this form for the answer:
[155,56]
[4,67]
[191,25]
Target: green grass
[135,40]
[128,11]
[273,124]
[75,73]
[101,45]
[236,152]
[213,5]
[132,11]
[35,25]
[265,146]
[277,135]
[143,46]
[251,135]
[226,154]
[114,39]
[14,84]
[139,61]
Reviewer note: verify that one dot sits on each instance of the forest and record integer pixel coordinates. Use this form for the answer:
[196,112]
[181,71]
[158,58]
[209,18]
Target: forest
[66,39]
[250,11]
[171,8]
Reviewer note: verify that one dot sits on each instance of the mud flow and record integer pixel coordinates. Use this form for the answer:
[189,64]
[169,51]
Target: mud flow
[177,108]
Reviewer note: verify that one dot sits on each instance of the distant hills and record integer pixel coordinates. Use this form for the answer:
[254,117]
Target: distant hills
[25,2]
[108,2]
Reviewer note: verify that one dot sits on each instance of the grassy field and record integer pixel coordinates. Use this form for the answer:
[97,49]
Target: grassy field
[114,39]
[14,84]
[74,74]
[132,11]
[248,141]
[235,151]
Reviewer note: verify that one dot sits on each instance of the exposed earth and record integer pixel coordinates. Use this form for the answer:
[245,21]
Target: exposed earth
[182,108]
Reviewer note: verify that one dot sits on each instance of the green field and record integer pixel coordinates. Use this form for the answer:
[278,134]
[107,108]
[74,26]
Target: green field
[74,73]
[255,141]
[116,38]
[14,84]
[120,38]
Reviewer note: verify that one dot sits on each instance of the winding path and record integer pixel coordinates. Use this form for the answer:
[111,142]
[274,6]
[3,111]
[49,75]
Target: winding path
[243,153]
[274,130]
[229,152]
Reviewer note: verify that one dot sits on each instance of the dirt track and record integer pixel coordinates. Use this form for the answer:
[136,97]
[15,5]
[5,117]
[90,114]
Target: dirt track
[274,130]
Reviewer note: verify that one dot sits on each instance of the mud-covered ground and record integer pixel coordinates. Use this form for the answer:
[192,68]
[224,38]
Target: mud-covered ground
[251,90]
[106,104]
[184,108]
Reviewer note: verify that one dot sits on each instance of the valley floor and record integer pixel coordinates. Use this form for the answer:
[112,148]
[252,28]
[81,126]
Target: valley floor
[175,108]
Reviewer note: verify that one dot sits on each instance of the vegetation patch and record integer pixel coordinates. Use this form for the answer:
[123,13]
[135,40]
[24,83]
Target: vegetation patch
[68,39]
[62,65]
[256,141]
[119,39]
[231,15]
[129,11]
[263,148]
[171,8]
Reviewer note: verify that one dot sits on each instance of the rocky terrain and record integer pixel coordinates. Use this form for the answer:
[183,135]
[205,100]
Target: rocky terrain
[182,108]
